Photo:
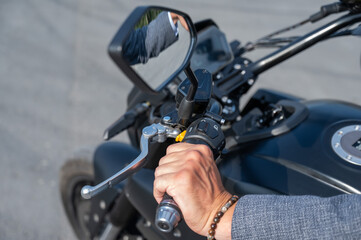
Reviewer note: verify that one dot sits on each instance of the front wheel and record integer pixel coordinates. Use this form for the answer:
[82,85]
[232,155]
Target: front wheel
[76,173]
[79,171]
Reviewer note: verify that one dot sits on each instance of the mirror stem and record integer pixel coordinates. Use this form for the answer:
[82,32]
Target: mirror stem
[194,83]
[185,109]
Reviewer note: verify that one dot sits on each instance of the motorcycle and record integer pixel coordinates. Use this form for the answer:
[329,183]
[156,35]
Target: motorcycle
[276,144]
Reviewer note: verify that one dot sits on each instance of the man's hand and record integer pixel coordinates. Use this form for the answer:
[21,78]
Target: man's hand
[176,18]
[188,174]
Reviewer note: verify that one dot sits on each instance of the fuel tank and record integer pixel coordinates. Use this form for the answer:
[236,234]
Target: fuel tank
[320,156]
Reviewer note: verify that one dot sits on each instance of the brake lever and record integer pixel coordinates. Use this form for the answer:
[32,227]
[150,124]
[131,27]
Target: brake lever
[157,132]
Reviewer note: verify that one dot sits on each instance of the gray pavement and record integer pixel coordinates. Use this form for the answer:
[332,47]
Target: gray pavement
[59,89]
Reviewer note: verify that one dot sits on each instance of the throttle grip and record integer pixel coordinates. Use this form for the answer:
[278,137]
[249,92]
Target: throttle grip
[168,214]
[202,131]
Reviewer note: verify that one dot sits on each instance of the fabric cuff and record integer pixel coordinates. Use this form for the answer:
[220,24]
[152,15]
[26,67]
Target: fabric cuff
[174,26]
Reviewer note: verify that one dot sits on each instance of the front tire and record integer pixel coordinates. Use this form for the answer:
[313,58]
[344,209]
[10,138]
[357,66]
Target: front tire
[76,173]
[90,167]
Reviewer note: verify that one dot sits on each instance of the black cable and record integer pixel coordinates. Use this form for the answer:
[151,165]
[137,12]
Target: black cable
[268,41]
[285,29]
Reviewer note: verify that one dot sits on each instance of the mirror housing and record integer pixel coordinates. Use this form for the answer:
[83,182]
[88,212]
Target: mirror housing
[116,50]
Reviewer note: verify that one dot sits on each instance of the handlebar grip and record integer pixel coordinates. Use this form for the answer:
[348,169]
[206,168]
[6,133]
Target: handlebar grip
[168,214]
[202,131]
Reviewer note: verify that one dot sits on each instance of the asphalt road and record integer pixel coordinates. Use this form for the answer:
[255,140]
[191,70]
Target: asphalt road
[59,89]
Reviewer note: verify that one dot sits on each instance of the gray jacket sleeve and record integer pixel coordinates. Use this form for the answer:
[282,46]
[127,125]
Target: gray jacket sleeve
[297,217]
[160,35]
[150,40]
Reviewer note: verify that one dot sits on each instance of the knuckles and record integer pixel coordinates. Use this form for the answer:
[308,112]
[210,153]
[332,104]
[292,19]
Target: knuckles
[174,148]
[192,159]
[157,172]
[156,183]
[193,155]
[170,148]
[205,150]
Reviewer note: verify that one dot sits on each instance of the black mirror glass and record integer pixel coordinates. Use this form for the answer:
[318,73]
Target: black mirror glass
[158,46]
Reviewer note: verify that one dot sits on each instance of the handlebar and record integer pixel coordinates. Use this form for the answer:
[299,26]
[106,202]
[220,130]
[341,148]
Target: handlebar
[303,43]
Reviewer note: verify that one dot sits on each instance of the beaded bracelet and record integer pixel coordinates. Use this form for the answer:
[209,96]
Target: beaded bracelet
[219,215]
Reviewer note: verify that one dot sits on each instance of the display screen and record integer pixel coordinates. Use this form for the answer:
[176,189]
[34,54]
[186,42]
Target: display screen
[357,145]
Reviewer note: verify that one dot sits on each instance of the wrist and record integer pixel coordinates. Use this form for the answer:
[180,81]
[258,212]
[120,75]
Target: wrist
[221,227]
[224,227]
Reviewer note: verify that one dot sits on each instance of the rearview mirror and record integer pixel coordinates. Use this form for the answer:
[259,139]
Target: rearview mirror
[153,46]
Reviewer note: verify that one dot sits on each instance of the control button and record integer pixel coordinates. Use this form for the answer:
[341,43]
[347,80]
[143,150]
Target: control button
[203,127]
[213,132]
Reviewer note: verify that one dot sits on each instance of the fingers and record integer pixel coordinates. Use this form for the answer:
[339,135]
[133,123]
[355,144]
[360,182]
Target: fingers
[184,23]
[178,162]
[189,175]
[176,18]
[171,169]
[186,157]
[179,167]
[181,147]
[175,184]
[161,185]
[178,147]
[182,154]
[167,168]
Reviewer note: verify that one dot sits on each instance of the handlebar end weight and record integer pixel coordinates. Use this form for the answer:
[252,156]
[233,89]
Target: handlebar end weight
[167,218]
[168,215]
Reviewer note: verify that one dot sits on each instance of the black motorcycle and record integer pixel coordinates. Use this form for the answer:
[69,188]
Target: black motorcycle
[275,144]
